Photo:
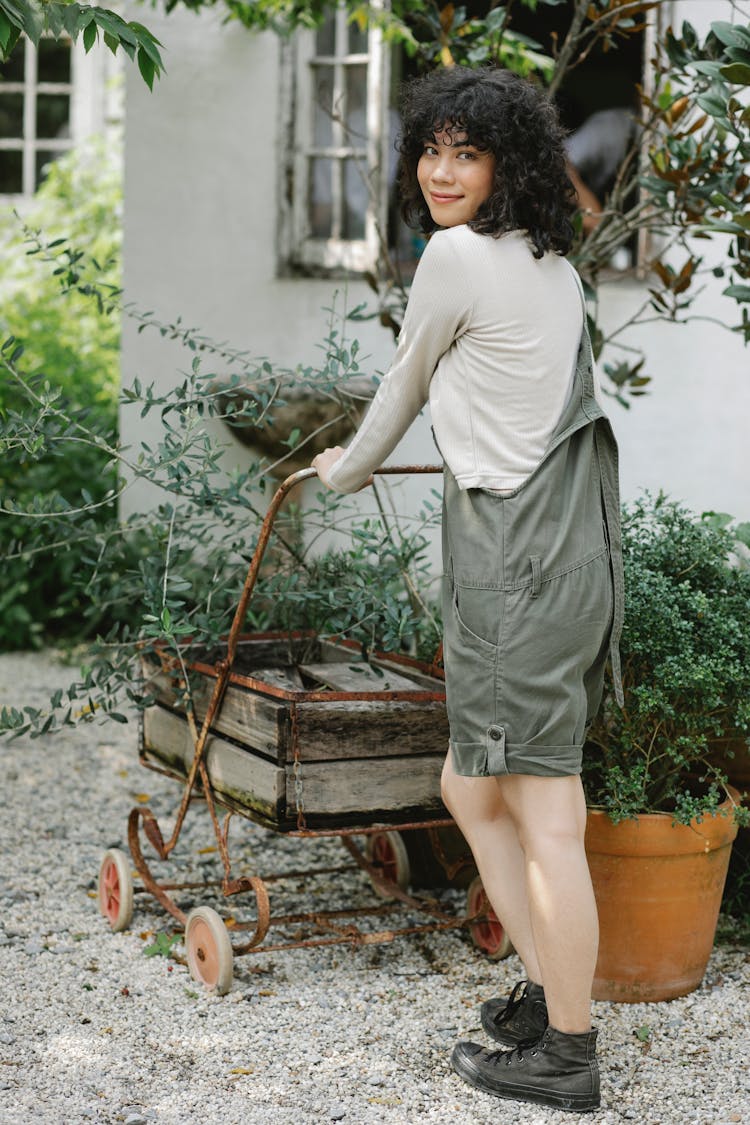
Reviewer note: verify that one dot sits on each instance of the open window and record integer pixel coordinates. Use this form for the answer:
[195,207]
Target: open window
[599,106]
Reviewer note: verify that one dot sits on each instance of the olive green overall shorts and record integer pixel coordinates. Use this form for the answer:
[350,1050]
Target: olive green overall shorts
[533,600]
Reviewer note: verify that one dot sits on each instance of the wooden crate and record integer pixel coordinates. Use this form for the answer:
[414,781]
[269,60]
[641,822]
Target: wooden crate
[365,739]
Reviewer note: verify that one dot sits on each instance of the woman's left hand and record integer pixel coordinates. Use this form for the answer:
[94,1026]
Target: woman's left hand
[325,461]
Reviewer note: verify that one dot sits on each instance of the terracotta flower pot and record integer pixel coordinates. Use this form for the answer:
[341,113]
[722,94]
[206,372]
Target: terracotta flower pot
[658,890]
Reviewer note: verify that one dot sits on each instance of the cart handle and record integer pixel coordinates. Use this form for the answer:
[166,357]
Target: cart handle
[265,534]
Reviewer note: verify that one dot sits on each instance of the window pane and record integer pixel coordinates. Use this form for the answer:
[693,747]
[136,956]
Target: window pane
[12,69]
[52,115]
[325,39]
[355,199]
[357,40]
[322,128]
[43,161]
[11,173]
[53,62]
[11,115]
[319,203]
[356,105]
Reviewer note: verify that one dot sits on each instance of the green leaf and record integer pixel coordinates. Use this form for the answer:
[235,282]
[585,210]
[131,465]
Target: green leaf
[148,43]
[731,34]
[712,104]
[737,73]
[71,17]
[89,36]
[161,945]
[739,292]
[146,67]
[6,29]
[55,19]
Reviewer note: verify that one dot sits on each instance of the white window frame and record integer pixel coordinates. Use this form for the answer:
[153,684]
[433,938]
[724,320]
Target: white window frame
[300,250]
[94,107]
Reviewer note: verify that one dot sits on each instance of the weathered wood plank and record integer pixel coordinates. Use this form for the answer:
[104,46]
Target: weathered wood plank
[421,680]
[251,781]
[357,676]
[370,729]
[369,787]
[252,719]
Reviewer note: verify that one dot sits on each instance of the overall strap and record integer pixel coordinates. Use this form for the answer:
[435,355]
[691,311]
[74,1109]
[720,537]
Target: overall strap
[607,461]
[586,355]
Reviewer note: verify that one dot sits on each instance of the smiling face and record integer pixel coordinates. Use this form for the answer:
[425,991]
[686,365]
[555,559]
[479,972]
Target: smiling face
[455,177]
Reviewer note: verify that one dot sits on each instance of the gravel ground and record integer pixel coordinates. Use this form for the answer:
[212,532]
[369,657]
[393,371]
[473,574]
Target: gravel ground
[93,1030]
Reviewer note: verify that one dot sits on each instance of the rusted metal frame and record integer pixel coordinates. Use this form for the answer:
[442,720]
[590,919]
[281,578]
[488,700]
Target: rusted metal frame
[224,667]
[302,696]
[425,906]
[311,916]
[265,534]
[223,671]
[404,695]
[219,833]
[232,886]
[170,663]
[371,829]
[151,828]
[451,868]
[376,938]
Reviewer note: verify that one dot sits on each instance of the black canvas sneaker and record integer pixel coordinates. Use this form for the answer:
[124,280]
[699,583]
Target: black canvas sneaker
[560,1070]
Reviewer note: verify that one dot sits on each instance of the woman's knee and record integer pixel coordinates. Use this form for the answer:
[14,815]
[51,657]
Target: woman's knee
[545,843]
[545,809]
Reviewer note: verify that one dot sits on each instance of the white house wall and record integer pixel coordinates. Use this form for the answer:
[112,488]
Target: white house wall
[201,181]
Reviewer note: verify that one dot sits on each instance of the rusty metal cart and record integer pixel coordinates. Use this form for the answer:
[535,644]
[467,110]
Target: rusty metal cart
[307,737]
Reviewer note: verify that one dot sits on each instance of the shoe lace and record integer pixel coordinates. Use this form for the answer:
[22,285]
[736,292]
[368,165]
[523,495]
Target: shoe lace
[515,1000]
[516,1053]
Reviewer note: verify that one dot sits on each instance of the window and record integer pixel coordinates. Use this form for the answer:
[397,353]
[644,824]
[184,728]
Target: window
[36,92]
[337,147]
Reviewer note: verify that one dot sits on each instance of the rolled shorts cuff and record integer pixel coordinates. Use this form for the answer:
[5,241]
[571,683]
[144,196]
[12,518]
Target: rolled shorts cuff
[495,757]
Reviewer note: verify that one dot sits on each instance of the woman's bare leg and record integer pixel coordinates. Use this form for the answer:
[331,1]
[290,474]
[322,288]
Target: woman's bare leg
[549,814]
[478,807]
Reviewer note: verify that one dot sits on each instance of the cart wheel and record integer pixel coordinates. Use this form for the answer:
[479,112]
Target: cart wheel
[115,889]
[387,851]
[209,950]
[488,935]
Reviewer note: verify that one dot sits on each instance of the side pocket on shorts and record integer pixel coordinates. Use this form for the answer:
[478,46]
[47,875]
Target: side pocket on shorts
[478,613]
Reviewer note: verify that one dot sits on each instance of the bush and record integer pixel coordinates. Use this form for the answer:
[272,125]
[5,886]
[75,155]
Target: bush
[70,351]
[686,666]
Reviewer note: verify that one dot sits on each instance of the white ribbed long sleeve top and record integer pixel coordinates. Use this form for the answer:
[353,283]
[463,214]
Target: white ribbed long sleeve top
[490,338]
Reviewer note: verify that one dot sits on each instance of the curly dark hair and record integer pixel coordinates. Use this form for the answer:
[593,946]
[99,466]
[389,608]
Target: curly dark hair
[512,118]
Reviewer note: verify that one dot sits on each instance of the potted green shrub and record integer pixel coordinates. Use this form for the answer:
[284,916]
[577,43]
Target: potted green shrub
[662,816]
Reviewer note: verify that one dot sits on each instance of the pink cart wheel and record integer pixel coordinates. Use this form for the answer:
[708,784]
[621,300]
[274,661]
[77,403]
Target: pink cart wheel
[209,950]
[488,934]
[387,852]
[115,889]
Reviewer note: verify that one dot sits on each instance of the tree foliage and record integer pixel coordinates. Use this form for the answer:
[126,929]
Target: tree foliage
[71,354]
[58,18]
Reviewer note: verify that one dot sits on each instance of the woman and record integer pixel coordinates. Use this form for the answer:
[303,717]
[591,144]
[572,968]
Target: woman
[494,336]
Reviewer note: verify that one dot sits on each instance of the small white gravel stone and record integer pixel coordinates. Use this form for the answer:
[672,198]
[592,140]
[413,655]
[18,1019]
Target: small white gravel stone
[92,1030]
